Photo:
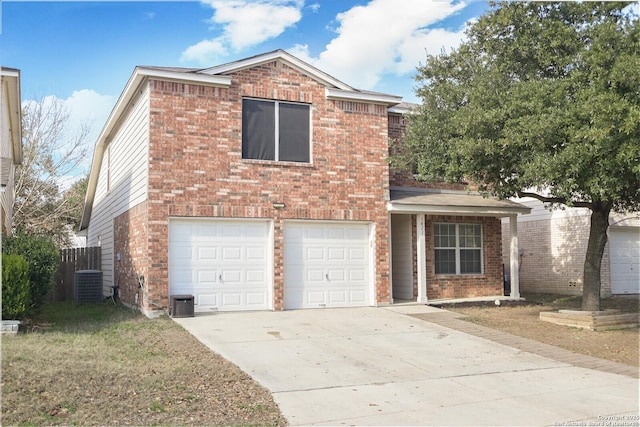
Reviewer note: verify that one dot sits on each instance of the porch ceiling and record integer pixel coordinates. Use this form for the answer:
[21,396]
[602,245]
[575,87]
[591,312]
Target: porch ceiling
[444,202]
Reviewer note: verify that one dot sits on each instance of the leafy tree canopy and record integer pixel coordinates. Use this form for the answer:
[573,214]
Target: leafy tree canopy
[52,153]
[541,100]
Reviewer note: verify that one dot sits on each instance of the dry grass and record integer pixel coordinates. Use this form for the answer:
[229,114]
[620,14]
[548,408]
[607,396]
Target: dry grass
[100,364]
[524,320]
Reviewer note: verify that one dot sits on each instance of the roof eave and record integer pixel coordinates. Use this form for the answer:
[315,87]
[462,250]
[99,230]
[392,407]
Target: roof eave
[351,95]
[286,57]
[395,207]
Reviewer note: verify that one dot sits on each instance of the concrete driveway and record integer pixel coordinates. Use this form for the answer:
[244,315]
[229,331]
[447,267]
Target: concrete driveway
[378,366]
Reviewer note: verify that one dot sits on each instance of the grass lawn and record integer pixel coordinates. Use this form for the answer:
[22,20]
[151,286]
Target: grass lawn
[104,364]
[618,345]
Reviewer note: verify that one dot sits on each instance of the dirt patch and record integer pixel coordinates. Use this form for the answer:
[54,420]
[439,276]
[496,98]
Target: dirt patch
[116,367]
[522,319]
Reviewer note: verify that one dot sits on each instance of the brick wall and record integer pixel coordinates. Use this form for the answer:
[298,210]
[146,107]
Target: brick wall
[130,246]
[473,285]
[553,256]
[196,169]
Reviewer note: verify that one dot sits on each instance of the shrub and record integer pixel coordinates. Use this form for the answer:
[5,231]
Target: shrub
[16,289]
[43,257]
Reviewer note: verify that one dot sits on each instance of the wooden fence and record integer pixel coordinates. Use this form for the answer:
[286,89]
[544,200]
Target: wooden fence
[72,260]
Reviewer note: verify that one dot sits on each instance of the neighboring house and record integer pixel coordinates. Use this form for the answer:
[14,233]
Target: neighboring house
[10,143]
[265,184]
[553,247]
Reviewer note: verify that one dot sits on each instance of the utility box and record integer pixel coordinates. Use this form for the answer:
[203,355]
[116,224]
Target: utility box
[181,306]
[87,286]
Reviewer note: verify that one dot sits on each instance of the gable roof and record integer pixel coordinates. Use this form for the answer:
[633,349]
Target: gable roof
[283,56]
[218,76]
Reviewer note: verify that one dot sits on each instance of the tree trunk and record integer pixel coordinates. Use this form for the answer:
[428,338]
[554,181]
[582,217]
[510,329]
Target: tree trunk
[593,260]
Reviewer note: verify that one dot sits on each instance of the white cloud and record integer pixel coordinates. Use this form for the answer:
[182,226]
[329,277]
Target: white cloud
[385,36]
[204,51]
[245,23]
[85,108]
[88,106]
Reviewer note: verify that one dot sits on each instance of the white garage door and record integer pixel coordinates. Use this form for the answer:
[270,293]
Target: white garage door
[625,260]
[224,264]
[326,264]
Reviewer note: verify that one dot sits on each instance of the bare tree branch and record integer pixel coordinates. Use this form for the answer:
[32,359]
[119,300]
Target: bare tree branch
[53,152]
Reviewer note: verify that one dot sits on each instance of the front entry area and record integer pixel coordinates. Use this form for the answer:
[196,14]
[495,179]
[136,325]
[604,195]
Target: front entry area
[327,264]
[402,258]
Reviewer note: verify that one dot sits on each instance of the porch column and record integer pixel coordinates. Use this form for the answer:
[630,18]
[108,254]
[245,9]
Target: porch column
[421,258]
[514,256]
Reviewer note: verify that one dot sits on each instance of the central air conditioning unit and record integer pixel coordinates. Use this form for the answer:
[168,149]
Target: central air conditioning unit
[87,286]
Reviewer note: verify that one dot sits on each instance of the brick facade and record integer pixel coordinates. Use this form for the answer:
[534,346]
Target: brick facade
[131,259]
[490,283]
[196,167]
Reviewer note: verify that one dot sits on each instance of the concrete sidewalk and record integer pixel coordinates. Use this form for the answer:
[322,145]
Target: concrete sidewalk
[380,366]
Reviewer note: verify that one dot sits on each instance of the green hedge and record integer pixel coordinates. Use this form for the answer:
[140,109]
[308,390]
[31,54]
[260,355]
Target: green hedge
[43,258]
[16,288]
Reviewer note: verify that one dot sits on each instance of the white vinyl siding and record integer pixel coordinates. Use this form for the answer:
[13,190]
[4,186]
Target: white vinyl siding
[122,181]
[6,151]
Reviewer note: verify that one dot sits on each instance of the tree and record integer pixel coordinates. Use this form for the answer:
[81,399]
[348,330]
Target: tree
[52,154]
[541,100]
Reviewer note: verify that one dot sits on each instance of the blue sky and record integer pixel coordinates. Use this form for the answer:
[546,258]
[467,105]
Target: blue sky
[84,52]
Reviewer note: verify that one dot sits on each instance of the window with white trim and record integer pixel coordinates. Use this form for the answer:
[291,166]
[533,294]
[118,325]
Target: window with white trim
[458,248]
[276,130]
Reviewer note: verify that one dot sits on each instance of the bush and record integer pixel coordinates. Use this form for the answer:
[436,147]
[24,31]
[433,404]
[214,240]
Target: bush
[16,289]
[43,257]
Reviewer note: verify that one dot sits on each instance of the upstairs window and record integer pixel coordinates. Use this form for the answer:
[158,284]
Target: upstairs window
[458,248]
[276,130]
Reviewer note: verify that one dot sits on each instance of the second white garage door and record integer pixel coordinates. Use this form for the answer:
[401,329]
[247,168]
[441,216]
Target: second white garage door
[327,264]
[225,264]
[625,260]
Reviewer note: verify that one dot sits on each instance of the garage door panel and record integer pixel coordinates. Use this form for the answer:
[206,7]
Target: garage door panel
[225,264]
[336,254]
[312,275]
[231,277]
[232,300]
[316,297]
[207,277]
[336,232]
[337,298]
[357,254]
[327,264]
[206,299]
[231,253]
[255,299]
[205,253]
[336,275]
[314,254]
[255,277]
[625,260]
[203,231]
[358,297]
[254,253]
